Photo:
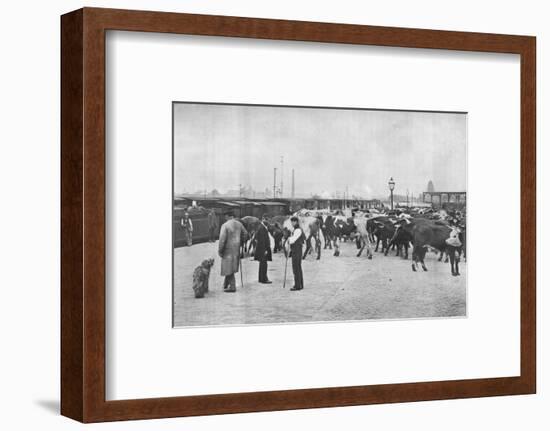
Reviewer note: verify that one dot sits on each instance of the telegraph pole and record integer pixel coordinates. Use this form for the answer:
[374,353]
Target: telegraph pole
[274,182]
[293,195]
[282,174]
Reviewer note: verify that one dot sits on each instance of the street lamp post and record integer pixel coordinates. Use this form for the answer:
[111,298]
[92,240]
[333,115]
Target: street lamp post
[391,184]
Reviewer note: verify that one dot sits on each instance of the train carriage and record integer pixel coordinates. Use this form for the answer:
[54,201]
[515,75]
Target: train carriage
[274,208]
[249,208]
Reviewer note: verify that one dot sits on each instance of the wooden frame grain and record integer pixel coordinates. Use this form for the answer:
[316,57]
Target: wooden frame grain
[83,214]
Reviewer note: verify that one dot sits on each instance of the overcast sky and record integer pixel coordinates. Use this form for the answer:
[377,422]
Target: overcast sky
[222,146]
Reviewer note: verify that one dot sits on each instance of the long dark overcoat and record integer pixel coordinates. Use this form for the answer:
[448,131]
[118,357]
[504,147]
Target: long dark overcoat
[263,244]
[232,233]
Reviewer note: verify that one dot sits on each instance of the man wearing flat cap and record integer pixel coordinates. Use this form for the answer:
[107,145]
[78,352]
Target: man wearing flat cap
[232,235]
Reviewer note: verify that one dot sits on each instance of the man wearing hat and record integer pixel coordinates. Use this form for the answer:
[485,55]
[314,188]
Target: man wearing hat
[296,242]
[187,227]
[263,250]
[232,235]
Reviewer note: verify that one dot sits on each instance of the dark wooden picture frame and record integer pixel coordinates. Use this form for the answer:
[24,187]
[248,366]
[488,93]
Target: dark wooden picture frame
[83,214]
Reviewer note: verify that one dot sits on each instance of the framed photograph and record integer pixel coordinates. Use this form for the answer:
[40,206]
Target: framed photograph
[268,215]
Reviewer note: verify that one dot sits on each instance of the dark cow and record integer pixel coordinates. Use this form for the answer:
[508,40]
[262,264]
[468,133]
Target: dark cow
[344,228]
[251,224]
[462,237]
[330,233]
[402,239]
[276,232]
[312,229]
[382,229]
[429,234]
[276,229]
[371,227]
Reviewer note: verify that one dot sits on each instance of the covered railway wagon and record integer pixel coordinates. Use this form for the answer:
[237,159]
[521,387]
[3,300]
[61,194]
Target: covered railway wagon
[248,208]
[295,205]
[257,208]
[274,208]
[199,214]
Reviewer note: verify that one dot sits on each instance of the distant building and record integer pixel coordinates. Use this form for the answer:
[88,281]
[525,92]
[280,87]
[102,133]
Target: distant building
[445,199]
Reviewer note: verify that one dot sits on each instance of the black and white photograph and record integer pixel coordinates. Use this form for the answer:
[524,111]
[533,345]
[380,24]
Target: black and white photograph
[275,215]
[294,214]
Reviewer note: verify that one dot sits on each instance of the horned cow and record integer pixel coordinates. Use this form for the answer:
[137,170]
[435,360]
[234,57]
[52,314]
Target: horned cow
[427,234]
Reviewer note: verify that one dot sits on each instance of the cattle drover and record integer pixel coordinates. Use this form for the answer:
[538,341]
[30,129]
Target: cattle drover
[232,235]
[187,226]
[296,242]
[262,253]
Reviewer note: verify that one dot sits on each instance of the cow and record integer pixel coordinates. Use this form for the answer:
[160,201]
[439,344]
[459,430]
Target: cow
[344,227]
[458,219]
[371,227]
[330,233]
[312,230]
[428,234]
[462,237]
[452,221]
[453,248]
[251,224]
[276,231]
[382,229]
[402,240]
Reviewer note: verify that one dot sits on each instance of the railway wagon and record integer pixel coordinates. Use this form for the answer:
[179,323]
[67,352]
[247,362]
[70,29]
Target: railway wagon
[296,205]
[249,208]
[272,208]
[199,214]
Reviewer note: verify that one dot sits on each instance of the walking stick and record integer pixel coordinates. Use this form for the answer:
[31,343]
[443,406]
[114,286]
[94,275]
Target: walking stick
[286,264]
[241,265]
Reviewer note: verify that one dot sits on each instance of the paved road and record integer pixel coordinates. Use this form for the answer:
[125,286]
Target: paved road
[336,288]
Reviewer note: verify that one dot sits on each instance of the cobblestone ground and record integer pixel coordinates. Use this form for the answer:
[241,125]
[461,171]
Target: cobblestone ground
[336,288]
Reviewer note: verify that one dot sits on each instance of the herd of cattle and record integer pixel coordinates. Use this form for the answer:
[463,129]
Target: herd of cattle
[398,230]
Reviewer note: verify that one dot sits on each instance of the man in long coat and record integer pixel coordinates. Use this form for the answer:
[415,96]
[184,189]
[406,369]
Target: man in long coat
[263,250]
[232,235]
